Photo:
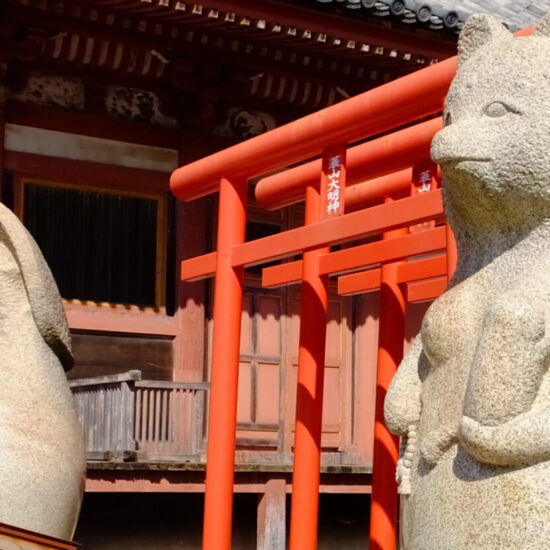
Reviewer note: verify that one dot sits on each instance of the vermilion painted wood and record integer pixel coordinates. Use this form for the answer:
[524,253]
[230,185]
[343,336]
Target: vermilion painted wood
[426,290]
[338,230]
[525,32]
[327,203]
[186,481]
[309,392]
[393,104]
[222,425]
[391,336]
[283,274]
[204,266]
[360,256]
[286,188]
[199,267]
[380,218]
[422,269]
[359,195]
[369,160]
[16,537]
[357,283]
[383,251]
[385,453]
[365,281]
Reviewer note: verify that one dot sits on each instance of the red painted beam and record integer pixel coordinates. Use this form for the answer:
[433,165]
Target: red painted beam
[283,274]
[426,290]
[355,197]
[376,219]
[362,256]
[393,104]
[204,266]
[358,283]
[361,194]
[364,281]
[525,32]
[199,267]
[422,269]
[383,251]
[372,253]
[372,159]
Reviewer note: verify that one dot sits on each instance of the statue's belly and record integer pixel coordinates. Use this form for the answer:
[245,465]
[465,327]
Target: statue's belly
[460,504]
[449,333]
[41,450]
[40,488]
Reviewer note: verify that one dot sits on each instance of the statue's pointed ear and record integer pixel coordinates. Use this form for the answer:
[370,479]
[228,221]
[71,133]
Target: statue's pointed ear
[479,29]
[543,27]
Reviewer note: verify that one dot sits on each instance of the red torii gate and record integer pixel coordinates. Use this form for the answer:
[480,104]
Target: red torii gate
[327,134]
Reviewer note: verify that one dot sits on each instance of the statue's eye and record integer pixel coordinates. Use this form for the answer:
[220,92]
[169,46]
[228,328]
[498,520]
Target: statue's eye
[447,119]
[497,109]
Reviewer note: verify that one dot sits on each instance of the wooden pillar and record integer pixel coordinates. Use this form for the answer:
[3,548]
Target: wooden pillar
[271,526]
[191,228]
[365,351]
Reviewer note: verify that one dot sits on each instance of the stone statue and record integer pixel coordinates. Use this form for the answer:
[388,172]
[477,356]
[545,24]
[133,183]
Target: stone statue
[42,463]
[471,400]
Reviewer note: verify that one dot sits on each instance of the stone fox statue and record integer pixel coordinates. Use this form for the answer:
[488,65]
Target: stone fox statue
[42,462]
[471,400]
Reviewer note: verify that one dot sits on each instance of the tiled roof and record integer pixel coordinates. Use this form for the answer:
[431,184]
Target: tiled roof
[445,14]
[514,13]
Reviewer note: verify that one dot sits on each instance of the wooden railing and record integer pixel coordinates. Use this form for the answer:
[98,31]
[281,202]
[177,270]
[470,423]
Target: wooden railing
[126,418]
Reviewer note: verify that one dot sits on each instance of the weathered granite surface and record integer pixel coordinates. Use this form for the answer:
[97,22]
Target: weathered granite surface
[42,463]
[472,398]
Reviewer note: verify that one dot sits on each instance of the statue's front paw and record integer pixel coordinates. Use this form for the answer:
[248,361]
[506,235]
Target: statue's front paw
[436,443]
[479,440]
[521,442]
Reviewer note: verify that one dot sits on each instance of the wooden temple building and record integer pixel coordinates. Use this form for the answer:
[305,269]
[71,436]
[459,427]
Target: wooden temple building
[100,100]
